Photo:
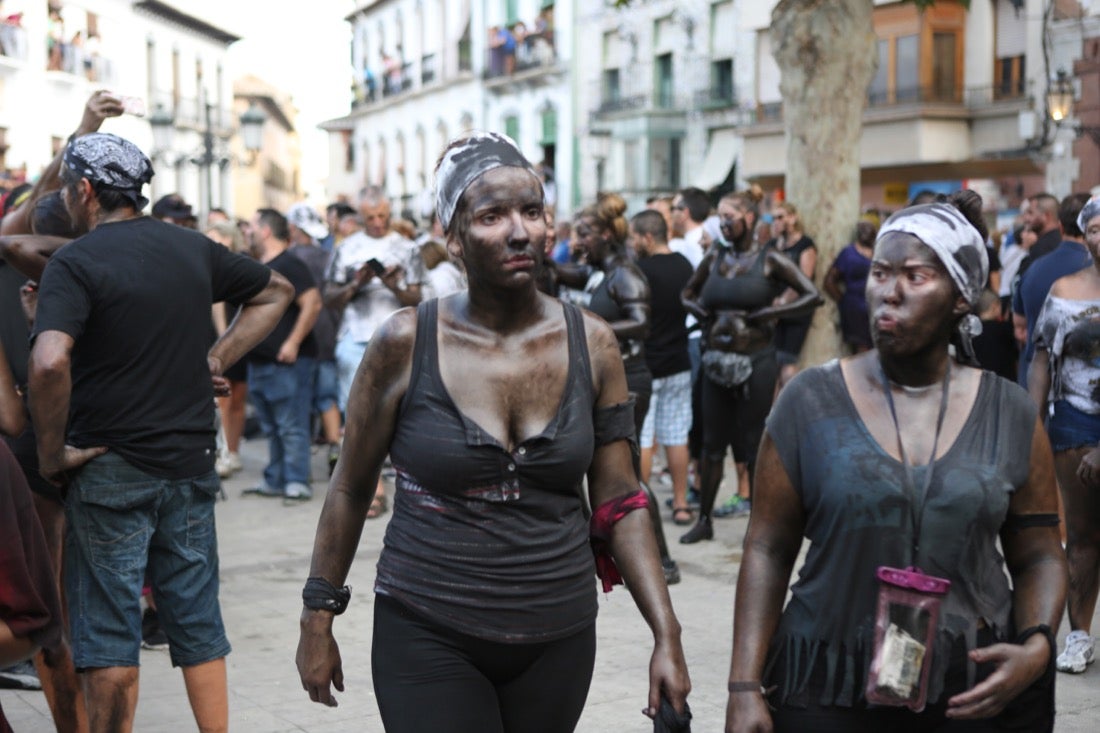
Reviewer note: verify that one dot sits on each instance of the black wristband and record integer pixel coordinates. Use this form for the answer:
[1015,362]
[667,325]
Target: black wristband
[1047,633]
[321,595]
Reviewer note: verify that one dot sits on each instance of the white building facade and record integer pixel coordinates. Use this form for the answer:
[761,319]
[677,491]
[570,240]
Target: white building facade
[425,72]
[674,93]
[659,90]
[153,51]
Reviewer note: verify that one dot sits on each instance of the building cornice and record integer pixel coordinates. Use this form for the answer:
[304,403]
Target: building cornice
[365,8]
[166,12]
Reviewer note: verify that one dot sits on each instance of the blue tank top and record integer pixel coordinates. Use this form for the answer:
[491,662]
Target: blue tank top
[484,541]
[747,291]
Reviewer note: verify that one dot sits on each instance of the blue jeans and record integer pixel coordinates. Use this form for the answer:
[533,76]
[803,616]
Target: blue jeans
[348,355]
[122,522]
[282,395]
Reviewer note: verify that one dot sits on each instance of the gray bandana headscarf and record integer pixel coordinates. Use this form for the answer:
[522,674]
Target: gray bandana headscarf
[109,161]
[462,164]
[1091,210]
[944,230]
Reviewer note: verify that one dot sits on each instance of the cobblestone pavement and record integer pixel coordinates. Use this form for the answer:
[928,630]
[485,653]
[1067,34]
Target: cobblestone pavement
[265,549]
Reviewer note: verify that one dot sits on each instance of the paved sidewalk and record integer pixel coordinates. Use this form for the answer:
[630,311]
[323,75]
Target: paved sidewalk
[265,549]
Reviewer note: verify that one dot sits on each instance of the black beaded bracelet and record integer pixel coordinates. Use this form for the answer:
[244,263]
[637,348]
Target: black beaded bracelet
[321,595]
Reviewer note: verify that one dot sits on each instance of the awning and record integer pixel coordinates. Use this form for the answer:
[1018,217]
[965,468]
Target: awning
[721,155]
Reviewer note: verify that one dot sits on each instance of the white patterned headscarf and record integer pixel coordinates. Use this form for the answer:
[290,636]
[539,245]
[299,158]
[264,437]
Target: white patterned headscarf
[944,230]
[1090,211]
[465,162]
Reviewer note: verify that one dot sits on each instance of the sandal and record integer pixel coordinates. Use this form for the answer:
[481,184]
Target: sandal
[379,505]
[682,515]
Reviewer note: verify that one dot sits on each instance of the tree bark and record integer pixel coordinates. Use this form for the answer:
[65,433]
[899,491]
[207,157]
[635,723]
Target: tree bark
[827,54]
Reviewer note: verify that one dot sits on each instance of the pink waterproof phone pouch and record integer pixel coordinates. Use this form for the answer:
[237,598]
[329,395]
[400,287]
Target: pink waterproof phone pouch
[905,631]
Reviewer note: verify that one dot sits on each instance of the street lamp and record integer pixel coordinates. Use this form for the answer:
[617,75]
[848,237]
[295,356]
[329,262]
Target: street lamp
[1060,97]
[251,129]
[1060,102]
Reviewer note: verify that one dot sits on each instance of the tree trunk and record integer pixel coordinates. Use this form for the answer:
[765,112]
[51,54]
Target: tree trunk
[827,53]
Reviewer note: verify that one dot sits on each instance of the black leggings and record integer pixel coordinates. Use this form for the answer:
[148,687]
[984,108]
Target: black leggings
[734,416]
[429,678]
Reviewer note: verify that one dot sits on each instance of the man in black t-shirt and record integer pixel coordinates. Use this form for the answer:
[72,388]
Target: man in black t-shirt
[121,391]
[282,368]
[666,353]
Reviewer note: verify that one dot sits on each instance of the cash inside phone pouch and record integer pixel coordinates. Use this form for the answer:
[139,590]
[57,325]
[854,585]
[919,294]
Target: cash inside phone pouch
[905,630]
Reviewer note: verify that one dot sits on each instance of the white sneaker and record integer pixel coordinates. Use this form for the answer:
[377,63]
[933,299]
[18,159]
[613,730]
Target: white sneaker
[1078,653]
[233,460]
[222,467]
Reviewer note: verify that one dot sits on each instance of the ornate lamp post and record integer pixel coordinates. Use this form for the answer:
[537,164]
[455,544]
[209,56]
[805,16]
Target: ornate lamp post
[251,128]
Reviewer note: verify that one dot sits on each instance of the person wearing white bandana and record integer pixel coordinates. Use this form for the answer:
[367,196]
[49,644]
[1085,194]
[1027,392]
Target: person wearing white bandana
[494,404]
[903,458]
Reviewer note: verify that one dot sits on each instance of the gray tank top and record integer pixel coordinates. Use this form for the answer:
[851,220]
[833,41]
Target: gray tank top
[857,519]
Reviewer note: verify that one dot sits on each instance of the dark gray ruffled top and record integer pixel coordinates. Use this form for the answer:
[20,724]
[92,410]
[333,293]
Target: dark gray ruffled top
[857,519]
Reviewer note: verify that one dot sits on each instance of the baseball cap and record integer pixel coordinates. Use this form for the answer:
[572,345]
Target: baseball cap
[306,218]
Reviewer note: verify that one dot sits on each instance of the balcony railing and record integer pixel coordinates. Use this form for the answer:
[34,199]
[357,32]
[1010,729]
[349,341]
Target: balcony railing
[533,52]
[915,95]
[1007,91]
[710,99]
[971,97]
[610,104]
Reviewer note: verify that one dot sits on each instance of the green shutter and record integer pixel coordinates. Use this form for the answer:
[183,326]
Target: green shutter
[549,128]
[511,127]
[511,12]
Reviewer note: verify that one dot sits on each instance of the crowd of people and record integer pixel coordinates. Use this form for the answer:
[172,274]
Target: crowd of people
[936,495]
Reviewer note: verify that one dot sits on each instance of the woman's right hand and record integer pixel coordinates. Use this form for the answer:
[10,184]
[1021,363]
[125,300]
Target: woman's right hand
[1089,469]
[747,712]
[318,658]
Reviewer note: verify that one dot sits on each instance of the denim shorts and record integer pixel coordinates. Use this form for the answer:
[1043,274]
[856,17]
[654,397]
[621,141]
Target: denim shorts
[1071,428]
[326,391]
[122,522]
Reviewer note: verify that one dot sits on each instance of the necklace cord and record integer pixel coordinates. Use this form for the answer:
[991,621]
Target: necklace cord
[916,515]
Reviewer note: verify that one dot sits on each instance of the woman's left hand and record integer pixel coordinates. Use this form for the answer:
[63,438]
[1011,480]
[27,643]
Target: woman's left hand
[667,673]
[1018,665]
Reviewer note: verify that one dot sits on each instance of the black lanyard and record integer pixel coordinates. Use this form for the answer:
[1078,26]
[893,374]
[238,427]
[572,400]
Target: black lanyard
[916,514]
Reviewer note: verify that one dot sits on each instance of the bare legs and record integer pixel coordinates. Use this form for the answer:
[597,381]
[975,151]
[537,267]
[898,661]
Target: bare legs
[1082,515]
[677,458]
[63,692]
[330,425]
[113,694]
[112,698]
[208,694]
[232,409]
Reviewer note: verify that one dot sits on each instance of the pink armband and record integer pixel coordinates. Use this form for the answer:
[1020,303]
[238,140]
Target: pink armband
[603,519]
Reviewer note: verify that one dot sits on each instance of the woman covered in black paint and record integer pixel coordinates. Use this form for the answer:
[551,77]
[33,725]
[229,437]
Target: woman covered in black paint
[903,457]
[732,293]
[617,291]
[484,612]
